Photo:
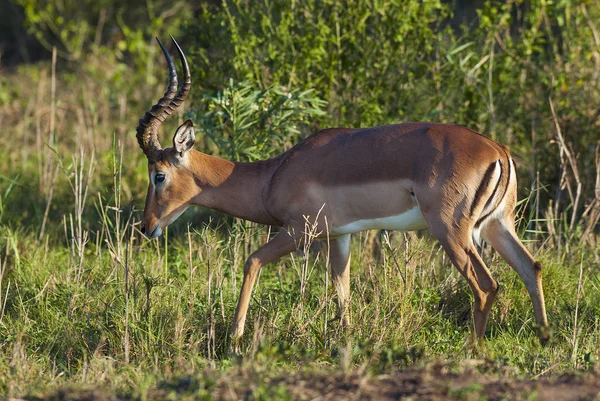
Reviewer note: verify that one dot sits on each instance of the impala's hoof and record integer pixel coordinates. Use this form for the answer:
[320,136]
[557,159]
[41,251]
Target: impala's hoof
[544,335]
[234,349]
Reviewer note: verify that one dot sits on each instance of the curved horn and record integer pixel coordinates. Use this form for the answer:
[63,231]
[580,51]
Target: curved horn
[187,80]
[147,130]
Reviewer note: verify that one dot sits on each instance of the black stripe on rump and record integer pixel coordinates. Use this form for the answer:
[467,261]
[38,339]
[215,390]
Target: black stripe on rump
[485,181]
[507,183]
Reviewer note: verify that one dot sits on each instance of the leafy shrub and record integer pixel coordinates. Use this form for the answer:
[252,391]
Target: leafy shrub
[250,124]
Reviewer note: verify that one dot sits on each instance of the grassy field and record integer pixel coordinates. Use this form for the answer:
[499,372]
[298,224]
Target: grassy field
[90,309]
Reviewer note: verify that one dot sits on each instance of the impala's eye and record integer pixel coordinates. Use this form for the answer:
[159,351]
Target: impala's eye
[159,177]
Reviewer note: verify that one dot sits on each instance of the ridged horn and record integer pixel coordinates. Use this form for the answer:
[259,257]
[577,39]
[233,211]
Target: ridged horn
[147,130]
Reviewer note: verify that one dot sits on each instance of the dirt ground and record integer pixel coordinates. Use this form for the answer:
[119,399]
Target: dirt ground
[434,383]
[424,385]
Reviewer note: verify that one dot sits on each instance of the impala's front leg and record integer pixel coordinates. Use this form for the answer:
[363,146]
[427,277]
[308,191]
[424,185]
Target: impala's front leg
[280,245]
[339,255]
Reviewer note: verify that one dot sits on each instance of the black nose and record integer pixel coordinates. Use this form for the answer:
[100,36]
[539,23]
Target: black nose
[143,230]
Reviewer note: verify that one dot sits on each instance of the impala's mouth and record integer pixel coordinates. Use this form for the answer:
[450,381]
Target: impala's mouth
[157,230]
[154,233]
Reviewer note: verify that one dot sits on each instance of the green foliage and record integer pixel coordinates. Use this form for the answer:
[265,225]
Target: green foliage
[5,95]
[4,197]
[66,20]
[249,124]
[362,56]
[121,30]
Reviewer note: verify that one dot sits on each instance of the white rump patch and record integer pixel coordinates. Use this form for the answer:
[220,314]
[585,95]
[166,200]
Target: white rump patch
[410,220]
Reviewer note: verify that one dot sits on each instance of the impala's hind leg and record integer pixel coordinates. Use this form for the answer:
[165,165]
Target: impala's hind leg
[458,244]
[339,256]
[501,235]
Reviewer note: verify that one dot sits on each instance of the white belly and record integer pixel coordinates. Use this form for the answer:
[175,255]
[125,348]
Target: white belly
[410,220]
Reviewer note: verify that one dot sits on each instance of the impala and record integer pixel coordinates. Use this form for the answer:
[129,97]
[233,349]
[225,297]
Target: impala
[454,181]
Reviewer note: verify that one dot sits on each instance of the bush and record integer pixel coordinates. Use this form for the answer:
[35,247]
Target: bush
[249,124]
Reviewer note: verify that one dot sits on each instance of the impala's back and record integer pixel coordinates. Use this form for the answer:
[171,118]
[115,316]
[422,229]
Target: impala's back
[386,177]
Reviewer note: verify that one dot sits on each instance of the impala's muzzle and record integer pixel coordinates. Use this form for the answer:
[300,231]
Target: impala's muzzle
[156,232]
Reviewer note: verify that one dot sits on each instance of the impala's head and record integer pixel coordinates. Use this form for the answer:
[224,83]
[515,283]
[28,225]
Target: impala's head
[170,187]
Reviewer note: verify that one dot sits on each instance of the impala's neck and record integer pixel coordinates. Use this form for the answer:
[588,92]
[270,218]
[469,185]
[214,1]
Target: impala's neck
[234,188]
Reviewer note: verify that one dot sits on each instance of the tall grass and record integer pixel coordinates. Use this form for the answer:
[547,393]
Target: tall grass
[84,298]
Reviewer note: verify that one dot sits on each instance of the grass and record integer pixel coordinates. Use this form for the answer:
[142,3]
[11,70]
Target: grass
[85,300]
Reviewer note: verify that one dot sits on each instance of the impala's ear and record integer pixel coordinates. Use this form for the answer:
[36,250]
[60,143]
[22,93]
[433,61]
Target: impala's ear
[183,140]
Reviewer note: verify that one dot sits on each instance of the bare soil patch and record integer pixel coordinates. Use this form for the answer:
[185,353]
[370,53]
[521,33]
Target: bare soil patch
[435,383]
